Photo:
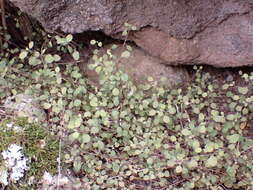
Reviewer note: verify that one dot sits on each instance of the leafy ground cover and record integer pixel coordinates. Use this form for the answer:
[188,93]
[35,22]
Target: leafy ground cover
[123,136]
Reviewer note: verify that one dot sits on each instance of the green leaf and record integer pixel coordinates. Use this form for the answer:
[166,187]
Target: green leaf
[201,117]
[49,58]
[76,55]
[93,42]
[100,44]
[70,49]
[100,145]
[211,162]
[192,164]
[179,169]
[202,129]
[30,45]
[150,79]
[102,113]
[173,138]
[94,130]
[76,74]
[172,110]
[46,106]
[74,136]
[94,102]
[133,28]
[115,92]
[74,122]
[34,61]
[57,58]
[186,132]
[115,114]
[77,102]
[69,38]
[125,54]
[231,171]
[218,118]
[150,161]
[77,165]
[124,77]
[233,138]
[124,33]
[152,112]
[86,138]
[195,144]
[198,150]
[166,119]
[98,69]
[87,114]
[209,147]
[243,90]
[23,54]
[57,69]
[230,117]
[63,90]
[115,167]
[129,48]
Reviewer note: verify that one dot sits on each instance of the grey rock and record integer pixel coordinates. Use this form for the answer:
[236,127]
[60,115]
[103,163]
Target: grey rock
[23,105]
[213,32]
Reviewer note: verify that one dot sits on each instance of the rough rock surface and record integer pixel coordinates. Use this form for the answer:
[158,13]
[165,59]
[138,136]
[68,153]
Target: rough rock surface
[229,45]
[140,66]
[214,32]
[24,105]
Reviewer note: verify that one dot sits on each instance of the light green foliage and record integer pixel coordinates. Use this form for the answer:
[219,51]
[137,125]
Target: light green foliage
[125,136]
[76,55]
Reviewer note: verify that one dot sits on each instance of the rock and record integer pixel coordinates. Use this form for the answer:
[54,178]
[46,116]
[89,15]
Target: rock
[63,181]
[139,66]
[213,32]
[23,105]
[229,45]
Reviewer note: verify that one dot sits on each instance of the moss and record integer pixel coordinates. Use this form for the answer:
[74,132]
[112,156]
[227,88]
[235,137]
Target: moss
[39,147]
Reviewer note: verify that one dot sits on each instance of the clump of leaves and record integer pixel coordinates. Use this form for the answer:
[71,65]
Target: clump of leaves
[39,147]
[150,137]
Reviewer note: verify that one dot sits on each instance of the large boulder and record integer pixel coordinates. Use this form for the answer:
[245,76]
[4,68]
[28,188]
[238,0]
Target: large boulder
[214,32]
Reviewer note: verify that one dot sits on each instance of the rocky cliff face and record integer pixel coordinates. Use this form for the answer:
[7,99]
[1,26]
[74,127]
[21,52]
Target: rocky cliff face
[214,32]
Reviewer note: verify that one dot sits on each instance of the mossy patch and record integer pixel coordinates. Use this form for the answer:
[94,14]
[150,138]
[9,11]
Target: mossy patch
[39,147]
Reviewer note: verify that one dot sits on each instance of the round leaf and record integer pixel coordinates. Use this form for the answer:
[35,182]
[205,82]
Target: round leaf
[46,106]
[243,90]
[166,119]
[115,92]
[178,169]
[186,132]
[75,122]
[30,45]
[57,58]
[76,55]
[23,54]
[211,162]
[69,38]
[233,138]
[49,58]
[86,138]
[125,54]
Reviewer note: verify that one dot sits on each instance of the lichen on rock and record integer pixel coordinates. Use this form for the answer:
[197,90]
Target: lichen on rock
[23,105]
